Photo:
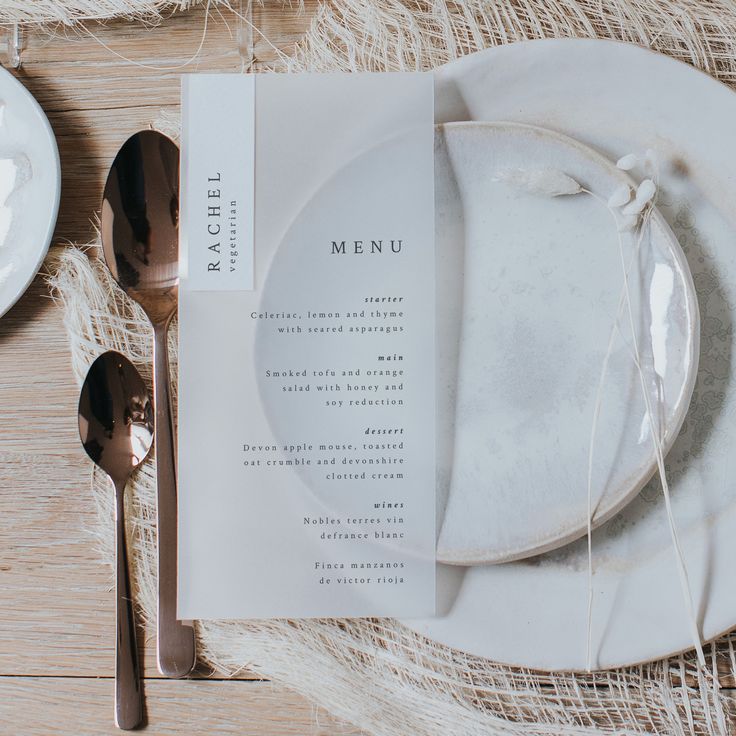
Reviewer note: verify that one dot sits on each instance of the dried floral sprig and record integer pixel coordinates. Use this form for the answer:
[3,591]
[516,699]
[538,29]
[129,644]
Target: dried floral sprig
[543,182]
[644,195]
[628,214]
[620,197]
[627,162]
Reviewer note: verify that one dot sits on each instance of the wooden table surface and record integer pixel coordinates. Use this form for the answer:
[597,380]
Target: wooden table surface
[57,626]
[56,602]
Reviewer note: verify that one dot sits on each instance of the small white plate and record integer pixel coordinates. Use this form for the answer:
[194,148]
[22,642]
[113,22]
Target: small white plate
[30,185]
[529,290]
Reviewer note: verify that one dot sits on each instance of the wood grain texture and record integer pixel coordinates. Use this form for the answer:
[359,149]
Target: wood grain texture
[43,706]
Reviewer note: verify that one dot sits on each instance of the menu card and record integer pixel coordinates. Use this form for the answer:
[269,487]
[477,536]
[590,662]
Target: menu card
[306,346]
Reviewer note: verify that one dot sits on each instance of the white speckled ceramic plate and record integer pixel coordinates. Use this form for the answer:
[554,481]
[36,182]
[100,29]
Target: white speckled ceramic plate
[30,184]
[529,293]
[619,98]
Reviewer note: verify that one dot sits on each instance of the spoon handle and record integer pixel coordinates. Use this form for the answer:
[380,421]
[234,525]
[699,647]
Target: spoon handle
[175,650]
[128,694]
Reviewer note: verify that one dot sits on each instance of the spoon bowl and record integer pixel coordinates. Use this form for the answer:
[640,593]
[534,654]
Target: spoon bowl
[115,416]
[116,428]
[140,222]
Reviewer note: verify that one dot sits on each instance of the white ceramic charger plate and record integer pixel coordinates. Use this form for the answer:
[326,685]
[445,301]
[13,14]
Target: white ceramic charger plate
[28,214]
[529,287]
[619,98]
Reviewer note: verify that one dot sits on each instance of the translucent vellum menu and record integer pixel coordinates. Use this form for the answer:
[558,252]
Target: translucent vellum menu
[306,332]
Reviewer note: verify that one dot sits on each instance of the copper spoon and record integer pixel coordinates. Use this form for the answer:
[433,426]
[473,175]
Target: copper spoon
[116,429]
[140,222]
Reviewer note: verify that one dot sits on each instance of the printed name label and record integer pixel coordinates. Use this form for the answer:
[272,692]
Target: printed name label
[218,175]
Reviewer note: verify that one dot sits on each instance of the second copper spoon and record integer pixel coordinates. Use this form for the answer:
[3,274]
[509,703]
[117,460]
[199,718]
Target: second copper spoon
[116,429]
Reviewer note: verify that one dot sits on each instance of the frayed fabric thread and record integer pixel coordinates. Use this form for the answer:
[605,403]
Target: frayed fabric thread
[69,12]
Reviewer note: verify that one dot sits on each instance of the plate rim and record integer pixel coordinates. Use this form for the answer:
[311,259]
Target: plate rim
[53,212]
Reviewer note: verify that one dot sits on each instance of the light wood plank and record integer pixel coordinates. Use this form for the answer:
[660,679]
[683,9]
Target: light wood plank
[39,399]
[43,706]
